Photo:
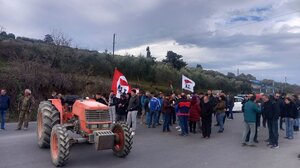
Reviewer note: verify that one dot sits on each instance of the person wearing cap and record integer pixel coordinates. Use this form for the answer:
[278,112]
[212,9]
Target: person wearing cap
[133,106]
[25,107]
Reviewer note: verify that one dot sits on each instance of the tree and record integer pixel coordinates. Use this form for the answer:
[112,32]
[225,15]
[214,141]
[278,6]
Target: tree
[60,39]
[148,52]
[3,35]
[250,77]
[199,66]
[11,36]
[230,75]
[174,60]
[60,42]
[2,29]
[48,39]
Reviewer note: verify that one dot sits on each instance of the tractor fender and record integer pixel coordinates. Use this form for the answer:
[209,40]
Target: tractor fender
[57,104]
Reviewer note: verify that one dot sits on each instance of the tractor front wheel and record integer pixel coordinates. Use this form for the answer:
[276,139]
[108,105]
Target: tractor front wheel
[60,145]
[47,117]
[123,140]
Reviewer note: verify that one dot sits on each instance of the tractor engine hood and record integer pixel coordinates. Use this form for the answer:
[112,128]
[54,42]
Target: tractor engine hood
[90,105]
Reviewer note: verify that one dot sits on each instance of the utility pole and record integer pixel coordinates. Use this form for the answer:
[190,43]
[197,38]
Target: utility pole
[285,79]
[114,42]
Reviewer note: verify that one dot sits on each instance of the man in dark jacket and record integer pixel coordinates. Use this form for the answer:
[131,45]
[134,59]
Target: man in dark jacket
[271,111]
[133,106]
[206,116]
[230,105]
[101,99]
[280,102]
[4,106]
[166,111]
[297,103]
[121,108]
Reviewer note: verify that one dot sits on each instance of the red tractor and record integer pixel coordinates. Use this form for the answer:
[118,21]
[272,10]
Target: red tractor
[87,118]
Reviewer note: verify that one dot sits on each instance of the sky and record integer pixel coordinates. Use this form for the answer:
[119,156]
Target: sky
[259,37]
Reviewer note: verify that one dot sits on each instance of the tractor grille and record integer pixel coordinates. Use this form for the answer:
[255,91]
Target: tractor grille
[97,116]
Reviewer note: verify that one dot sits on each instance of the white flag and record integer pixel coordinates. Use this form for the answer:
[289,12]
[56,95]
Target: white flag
[188,84]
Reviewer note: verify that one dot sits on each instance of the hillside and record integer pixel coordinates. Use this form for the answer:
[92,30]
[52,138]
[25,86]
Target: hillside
[45,66]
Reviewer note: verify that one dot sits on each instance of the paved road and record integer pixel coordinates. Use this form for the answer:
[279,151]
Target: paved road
[152,148]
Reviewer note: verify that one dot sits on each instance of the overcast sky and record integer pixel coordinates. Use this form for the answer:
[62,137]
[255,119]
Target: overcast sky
[261,37]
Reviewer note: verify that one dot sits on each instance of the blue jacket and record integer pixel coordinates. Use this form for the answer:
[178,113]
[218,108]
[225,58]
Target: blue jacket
[250,111]
[4,102]
[161,101]
[154,104]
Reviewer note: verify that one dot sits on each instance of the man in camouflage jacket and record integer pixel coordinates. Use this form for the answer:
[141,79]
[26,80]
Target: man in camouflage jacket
[25,106]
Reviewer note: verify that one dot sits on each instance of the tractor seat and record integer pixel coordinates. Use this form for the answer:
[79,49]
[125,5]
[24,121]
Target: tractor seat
[70,99]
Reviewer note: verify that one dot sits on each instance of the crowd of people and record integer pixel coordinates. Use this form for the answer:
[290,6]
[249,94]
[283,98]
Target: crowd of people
[274,110]
[190,113]
[195,112]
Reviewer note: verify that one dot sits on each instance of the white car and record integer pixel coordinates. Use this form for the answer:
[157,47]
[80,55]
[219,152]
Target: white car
[237,104]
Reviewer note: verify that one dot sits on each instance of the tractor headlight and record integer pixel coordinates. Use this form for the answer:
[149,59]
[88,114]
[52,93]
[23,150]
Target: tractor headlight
[94,126]
[105,126]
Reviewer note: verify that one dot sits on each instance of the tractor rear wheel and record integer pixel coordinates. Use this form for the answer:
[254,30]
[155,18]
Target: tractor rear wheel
[47,117]
[60,145]
[123,140]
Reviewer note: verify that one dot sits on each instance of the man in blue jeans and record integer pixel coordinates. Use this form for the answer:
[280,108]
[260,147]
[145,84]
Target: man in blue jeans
[154,106]
[290,113]
[4,106]
[183,108]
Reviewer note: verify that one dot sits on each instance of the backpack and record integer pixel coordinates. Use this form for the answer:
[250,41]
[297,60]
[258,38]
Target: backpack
[154,104]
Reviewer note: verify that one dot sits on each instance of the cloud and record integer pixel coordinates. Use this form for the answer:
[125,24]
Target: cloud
[249,65]
[260,37]
[159,50]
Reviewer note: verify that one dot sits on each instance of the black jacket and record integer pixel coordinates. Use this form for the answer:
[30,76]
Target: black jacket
[134,103]
[290,111]
[122,106]
[206,110]
[297,103]
[213,101]
[101,100]
[271,110]
[280,103]
[243,104]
